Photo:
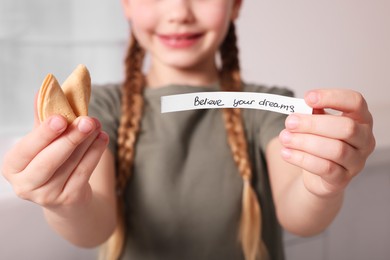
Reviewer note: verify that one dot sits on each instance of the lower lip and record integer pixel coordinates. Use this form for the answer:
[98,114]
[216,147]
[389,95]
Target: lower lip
[173,42]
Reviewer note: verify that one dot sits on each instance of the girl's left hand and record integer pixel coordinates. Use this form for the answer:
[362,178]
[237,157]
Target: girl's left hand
[331,149]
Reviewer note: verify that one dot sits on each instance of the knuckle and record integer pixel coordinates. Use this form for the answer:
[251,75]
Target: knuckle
[72,140]
[311,125]
[42,200]
[350,128]
[74,136]
[22,192]
[359,167]
[70,198]
[46,198]
[82,172]
[325,168]
[329,168]
[303,160]
[340,151]
[359,99]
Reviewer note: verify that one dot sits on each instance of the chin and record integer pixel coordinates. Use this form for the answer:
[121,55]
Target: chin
[188,62]
[183,64]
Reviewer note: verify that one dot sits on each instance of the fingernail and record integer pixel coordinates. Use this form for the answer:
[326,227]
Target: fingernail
[103,137]
[292,122]
[85,126]
[97,123]
[312,97]
[57,124]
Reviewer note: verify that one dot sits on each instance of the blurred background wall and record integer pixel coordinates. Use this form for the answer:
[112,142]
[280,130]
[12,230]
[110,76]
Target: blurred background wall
[299,44]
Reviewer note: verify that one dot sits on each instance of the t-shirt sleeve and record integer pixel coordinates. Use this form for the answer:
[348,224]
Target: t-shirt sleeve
[273,122]
[105,106]
[266,125]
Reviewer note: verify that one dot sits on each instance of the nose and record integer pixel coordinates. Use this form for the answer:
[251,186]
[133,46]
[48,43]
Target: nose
[181,11]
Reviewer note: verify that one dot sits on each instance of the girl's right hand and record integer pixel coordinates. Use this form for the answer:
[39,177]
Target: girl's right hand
[51,165]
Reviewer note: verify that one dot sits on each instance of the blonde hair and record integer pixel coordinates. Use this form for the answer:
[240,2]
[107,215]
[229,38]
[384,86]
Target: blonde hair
[250,222]
[132,104]
[131,113]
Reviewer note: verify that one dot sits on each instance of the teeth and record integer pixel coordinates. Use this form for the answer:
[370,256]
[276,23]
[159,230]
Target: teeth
[69,101]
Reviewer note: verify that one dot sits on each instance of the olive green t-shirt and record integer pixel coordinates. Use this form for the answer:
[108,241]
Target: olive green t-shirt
[184,196]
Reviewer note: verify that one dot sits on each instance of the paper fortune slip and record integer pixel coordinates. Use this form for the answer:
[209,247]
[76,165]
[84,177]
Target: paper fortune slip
[221,99]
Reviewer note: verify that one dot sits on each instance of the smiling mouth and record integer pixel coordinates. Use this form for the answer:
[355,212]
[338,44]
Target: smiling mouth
[180,40]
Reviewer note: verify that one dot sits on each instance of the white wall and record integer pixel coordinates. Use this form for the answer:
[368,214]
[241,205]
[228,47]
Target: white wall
[39,37]
[307,44]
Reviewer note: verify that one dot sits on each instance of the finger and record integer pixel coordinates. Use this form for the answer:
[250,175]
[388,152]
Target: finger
[29,146]
[85,168]
[333,150]
[62,174]
[56,190]
[350,102]
[65,170]
[329,171]
[46,163]
[331,126]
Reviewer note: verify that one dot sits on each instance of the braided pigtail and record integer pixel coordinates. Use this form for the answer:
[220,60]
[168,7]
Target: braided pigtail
[132,104]
[250,222]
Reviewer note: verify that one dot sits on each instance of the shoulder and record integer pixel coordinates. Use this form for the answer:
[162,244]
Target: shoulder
[105,100]
[105,94]
[258,88]
[261,125]
[105,104]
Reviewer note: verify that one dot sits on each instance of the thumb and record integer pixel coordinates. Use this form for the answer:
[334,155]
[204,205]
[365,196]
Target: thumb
[350,103]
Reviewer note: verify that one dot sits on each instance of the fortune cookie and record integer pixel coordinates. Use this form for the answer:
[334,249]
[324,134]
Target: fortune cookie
[71,100]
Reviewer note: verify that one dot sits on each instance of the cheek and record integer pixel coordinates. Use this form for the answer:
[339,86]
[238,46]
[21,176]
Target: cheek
[215,17]
[143,21]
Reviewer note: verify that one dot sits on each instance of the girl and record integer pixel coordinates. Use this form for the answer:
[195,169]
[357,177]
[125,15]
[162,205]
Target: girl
[202,184]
